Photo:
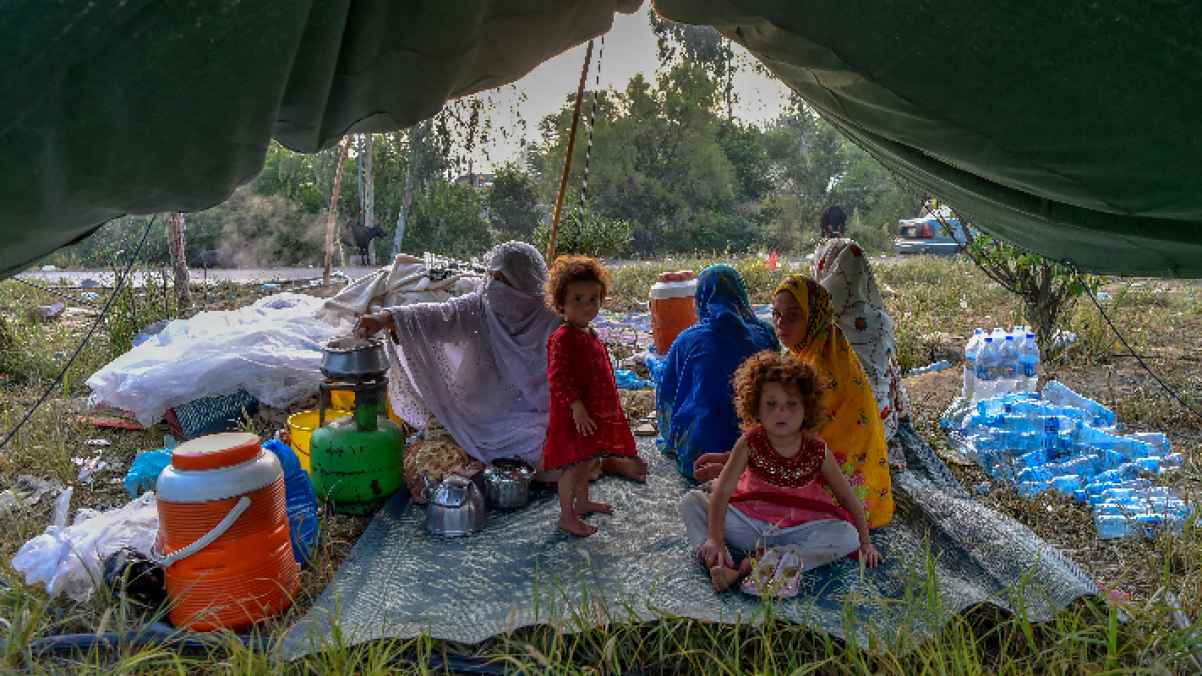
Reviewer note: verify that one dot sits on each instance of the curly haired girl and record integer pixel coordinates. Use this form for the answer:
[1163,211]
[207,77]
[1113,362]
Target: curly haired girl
[587,421]
[770,493]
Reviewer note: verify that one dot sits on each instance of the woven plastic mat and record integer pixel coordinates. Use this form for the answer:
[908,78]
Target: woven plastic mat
[399,582]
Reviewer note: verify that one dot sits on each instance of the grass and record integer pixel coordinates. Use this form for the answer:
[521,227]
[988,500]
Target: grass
[935,303]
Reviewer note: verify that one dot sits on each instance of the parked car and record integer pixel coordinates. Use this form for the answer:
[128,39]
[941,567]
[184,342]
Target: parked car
[928,236]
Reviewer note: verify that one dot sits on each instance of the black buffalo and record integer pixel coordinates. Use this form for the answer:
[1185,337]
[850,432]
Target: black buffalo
[360,237]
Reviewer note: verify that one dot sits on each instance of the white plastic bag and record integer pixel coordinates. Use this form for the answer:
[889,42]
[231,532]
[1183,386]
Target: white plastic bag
[271,349]
[70,559]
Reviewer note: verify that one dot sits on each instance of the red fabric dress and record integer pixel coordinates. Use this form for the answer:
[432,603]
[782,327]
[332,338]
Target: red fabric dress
[578,369]
[785,492]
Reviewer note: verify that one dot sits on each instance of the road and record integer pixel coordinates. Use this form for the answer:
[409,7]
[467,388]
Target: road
[104,278]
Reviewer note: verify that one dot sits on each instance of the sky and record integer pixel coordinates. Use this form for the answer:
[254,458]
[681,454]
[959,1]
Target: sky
[629,49]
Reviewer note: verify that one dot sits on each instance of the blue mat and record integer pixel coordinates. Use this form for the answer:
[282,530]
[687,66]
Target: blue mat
[399,582]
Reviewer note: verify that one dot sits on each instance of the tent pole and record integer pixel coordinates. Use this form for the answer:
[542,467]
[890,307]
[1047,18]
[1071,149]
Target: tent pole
[567,160]
[332,219]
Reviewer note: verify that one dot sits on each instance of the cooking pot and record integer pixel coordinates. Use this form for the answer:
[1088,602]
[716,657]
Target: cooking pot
[507,484]
[353,358]
[456,508]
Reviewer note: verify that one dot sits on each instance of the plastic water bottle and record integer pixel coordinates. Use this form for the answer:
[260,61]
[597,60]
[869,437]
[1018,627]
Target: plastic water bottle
[1112,526]
[971,350]
[1028,361]
[1059,393]
[1007,365]
[986,370]
[1157,440]
[302,504]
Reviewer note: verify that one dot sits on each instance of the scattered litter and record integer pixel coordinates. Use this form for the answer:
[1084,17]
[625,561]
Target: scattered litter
[628,380]
[98,443]
[28,491]
[109,422]
[144,471]
[130,574]
[49,268]
[149,331]
[646,429]
[45,312]
[89,467]
[940,365]
[69,559]
[270,287]
[89,296]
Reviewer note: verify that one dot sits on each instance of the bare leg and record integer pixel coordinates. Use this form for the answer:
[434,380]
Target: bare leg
[634,468]
[568,519]
[584,505]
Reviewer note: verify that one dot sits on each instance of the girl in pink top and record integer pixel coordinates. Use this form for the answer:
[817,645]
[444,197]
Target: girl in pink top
[781,485]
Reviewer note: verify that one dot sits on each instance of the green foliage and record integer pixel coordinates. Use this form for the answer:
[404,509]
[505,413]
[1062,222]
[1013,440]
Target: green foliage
[448,219]
[513,204]
[586,234]
[1049,289]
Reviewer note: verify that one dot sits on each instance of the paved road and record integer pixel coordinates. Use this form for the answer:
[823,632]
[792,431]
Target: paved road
[104,278]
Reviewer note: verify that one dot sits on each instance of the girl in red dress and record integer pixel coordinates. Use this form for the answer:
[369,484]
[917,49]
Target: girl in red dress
[587,421]
[781,486]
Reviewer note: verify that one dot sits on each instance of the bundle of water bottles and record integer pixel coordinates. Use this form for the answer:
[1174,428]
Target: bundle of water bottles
[1060,440]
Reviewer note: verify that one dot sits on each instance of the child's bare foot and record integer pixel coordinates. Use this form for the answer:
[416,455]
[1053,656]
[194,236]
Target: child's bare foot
[745,567]
[591,507]
[573,525]
[634,468]
[722,578]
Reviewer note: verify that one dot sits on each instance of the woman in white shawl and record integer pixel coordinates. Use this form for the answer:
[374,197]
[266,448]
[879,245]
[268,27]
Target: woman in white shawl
[476,366]
[841,267]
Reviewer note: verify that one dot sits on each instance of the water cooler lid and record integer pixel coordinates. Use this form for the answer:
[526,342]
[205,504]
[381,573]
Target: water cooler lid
[216,451]
[665,290]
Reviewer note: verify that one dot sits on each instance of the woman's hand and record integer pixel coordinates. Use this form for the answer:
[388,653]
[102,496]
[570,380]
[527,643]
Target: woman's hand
[584,424]
[369,325]
[868,553]
[715,554]
[708,466]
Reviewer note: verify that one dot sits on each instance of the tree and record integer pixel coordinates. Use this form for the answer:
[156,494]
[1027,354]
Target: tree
[513,203]
[1049,289]
[447,219]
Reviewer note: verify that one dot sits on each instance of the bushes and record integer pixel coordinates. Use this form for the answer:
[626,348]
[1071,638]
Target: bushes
[587,234]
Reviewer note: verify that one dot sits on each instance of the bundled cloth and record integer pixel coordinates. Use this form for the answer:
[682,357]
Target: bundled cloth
[408,280]
[270,349]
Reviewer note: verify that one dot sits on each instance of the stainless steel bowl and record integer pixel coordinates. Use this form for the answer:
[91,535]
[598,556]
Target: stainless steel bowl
[507,484]
[353,358]
[456,508]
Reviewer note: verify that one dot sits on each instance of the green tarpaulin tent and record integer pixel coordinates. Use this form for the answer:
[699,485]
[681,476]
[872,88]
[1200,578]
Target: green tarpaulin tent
[1072,128]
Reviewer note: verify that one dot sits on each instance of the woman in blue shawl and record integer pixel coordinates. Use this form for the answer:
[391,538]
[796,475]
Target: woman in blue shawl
[694,399]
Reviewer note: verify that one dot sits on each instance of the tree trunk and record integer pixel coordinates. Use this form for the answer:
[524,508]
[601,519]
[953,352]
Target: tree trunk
[369,195]
[398,233]
[332,217]
[177,242]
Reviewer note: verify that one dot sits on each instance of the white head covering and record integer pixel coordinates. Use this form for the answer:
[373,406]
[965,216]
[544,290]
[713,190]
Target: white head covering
[841,267]
[478,363]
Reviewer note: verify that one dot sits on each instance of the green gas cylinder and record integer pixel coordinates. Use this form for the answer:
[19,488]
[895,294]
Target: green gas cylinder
[356,460]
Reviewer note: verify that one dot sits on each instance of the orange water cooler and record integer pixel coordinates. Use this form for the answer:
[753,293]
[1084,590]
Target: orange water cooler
[672,307]
[223,534]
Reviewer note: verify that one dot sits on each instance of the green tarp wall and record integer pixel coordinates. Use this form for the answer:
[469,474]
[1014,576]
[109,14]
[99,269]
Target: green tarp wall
[1071,128]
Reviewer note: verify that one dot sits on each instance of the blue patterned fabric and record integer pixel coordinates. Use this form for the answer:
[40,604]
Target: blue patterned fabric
[694,399]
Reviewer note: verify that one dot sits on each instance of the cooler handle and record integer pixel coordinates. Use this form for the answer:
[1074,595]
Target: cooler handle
[207,539]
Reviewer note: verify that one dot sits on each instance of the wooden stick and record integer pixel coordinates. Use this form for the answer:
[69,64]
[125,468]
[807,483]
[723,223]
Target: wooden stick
[332,221]
[567,161]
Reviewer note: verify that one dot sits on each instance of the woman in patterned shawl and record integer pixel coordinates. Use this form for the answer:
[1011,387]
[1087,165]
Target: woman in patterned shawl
[804,322]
